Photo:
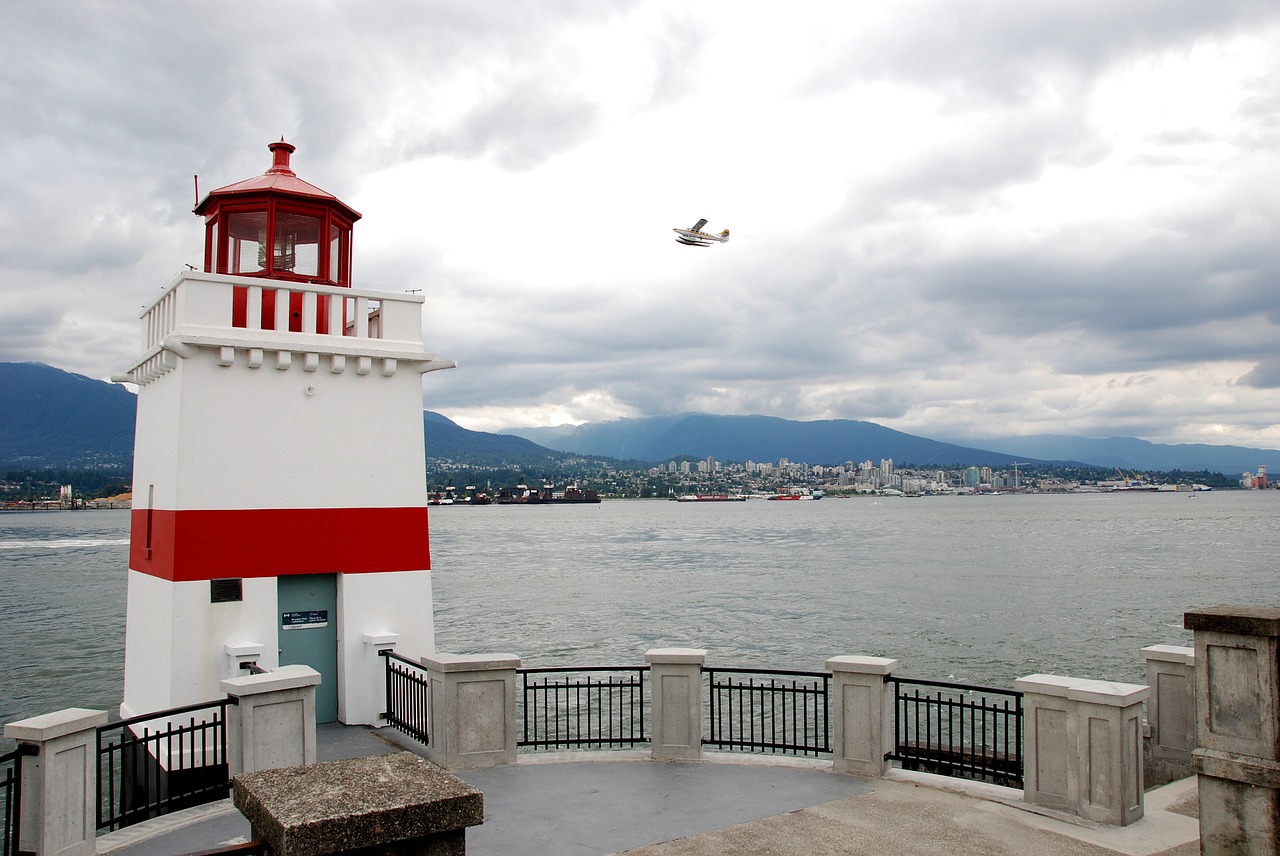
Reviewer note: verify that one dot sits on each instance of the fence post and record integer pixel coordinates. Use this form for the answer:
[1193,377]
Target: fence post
[1083,746]
[59,782]
[472,699]
[862,714]
[1237,753]
[676,713]
[1171,713]
[273,723]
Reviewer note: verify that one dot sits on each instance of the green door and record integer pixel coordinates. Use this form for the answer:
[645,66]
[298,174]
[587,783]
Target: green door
[309,633]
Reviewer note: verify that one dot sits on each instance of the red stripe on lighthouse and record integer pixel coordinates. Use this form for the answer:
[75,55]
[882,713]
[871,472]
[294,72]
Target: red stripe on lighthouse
[183,546]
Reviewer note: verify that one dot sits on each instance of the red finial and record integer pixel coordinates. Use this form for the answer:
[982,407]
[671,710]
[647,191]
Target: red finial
[281,151]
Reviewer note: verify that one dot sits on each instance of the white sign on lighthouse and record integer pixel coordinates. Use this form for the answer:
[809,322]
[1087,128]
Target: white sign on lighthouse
[280,509]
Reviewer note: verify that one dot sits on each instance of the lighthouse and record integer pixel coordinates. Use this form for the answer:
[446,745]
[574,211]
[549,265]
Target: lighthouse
[280,510]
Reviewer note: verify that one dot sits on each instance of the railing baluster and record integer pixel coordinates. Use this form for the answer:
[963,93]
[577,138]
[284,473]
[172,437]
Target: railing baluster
[407,697]
[11,784]
[968,731]
[561,711]
[768,710]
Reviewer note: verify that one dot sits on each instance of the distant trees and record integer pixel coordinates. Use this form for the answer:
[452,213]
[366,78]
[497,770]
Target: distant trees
[28,484]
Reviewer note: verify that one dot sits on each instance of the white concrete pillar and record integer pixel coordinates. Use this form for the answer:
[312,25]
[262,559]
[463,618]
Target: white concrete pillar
[676,712]
[1237,753]
[59,782]
[1171,712]
[1049,739]
[1082,746]
[273,723]
[472,699]
[862,714]
[366,702]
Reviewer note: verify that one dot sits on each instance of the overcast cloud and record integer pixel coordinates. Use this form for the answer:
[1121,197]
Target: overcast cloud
[957,219]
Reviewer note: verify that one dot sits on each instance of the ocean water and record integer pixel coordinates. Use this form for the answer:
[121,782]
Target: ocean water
[979,589]
[975,589]
[62,595]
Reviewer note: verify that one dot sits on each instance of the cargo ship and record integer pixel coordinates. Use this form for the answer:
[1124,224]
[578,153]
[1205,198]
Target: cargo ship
[710,497]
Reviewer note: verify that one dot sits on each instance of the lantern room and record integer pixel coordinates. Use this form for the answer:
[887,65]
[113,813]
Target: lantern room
[277,226]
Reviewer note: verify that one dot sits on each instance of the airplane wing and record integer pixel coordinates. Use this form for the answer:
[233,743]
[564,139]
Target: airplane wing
[698,225]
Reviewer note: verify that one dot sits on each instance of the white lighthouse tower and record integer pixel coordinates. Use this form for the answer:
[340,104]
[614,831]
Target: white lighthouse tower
[280,511]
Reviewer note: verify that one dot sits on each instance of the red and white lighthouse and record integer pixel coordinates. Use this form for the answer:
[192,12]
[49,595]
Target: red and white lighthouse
[280,510]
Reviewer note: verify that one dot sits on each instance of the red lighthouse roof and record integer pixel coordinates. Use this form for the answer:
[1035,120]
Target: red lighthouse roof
[277,226]
[280,180]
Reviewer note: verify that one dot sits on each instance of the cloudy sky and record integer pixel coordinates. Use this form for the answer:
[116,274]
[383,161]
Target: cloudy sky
[959,219]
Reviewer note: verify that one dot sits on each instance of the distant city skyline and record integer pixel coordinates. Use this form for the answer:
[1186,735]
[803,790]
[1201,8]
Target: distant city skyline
[959,220]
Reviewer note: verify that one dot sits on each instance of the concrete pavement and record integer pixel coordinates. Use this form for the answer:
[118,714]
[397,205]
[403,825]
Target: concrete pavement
[908,818]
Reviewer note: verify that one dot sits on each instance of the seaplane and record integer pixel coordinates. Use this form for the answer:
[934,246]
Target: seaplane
[695,237]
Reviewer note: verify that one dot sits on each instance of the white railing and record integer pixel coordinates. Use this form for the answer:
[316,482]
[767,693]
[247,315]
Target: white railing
[158,320]
[209,301]
[202,310]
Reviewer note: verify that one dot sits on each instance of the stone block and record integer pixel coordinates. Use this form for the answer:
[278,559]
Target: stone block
[380,804]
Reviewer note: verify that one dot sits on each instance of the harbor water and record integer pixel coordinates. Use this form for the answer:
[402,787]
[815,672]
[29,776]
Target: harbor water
[975,589]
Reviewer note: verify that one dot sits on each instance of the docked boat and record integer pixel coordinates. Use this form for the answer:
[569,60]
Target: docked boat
[546,495]
[710,497]
[797,493]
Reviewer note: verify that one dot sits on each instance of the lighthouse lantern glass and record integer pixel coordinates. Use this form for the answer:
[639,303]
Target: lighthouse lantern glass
[247,238]
[296,248]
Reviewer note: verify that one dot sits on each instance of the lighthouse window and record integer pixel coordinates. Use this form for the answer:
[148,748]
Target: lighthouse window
[247,238]
[226,591]
[297,244]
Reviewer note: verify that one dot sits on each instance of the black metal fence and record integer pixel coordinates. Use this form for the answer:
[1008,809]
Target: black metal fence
[597,707]
[407,697]
[958,730]
[11,798]
[161,762]
[765,710]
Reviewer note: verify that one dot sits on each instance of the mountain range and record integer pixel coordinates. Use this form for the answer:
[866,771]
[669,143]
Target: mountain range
[49,417]
[834,441]
[757,438]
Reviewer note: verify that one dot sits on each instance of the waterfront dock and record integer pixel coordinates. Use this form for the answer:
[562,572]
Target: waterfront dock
[575,804]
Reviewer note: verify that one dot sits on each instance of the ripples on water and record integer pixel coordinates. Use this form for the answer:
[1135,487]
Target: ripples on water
[62,594]
[981,589]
